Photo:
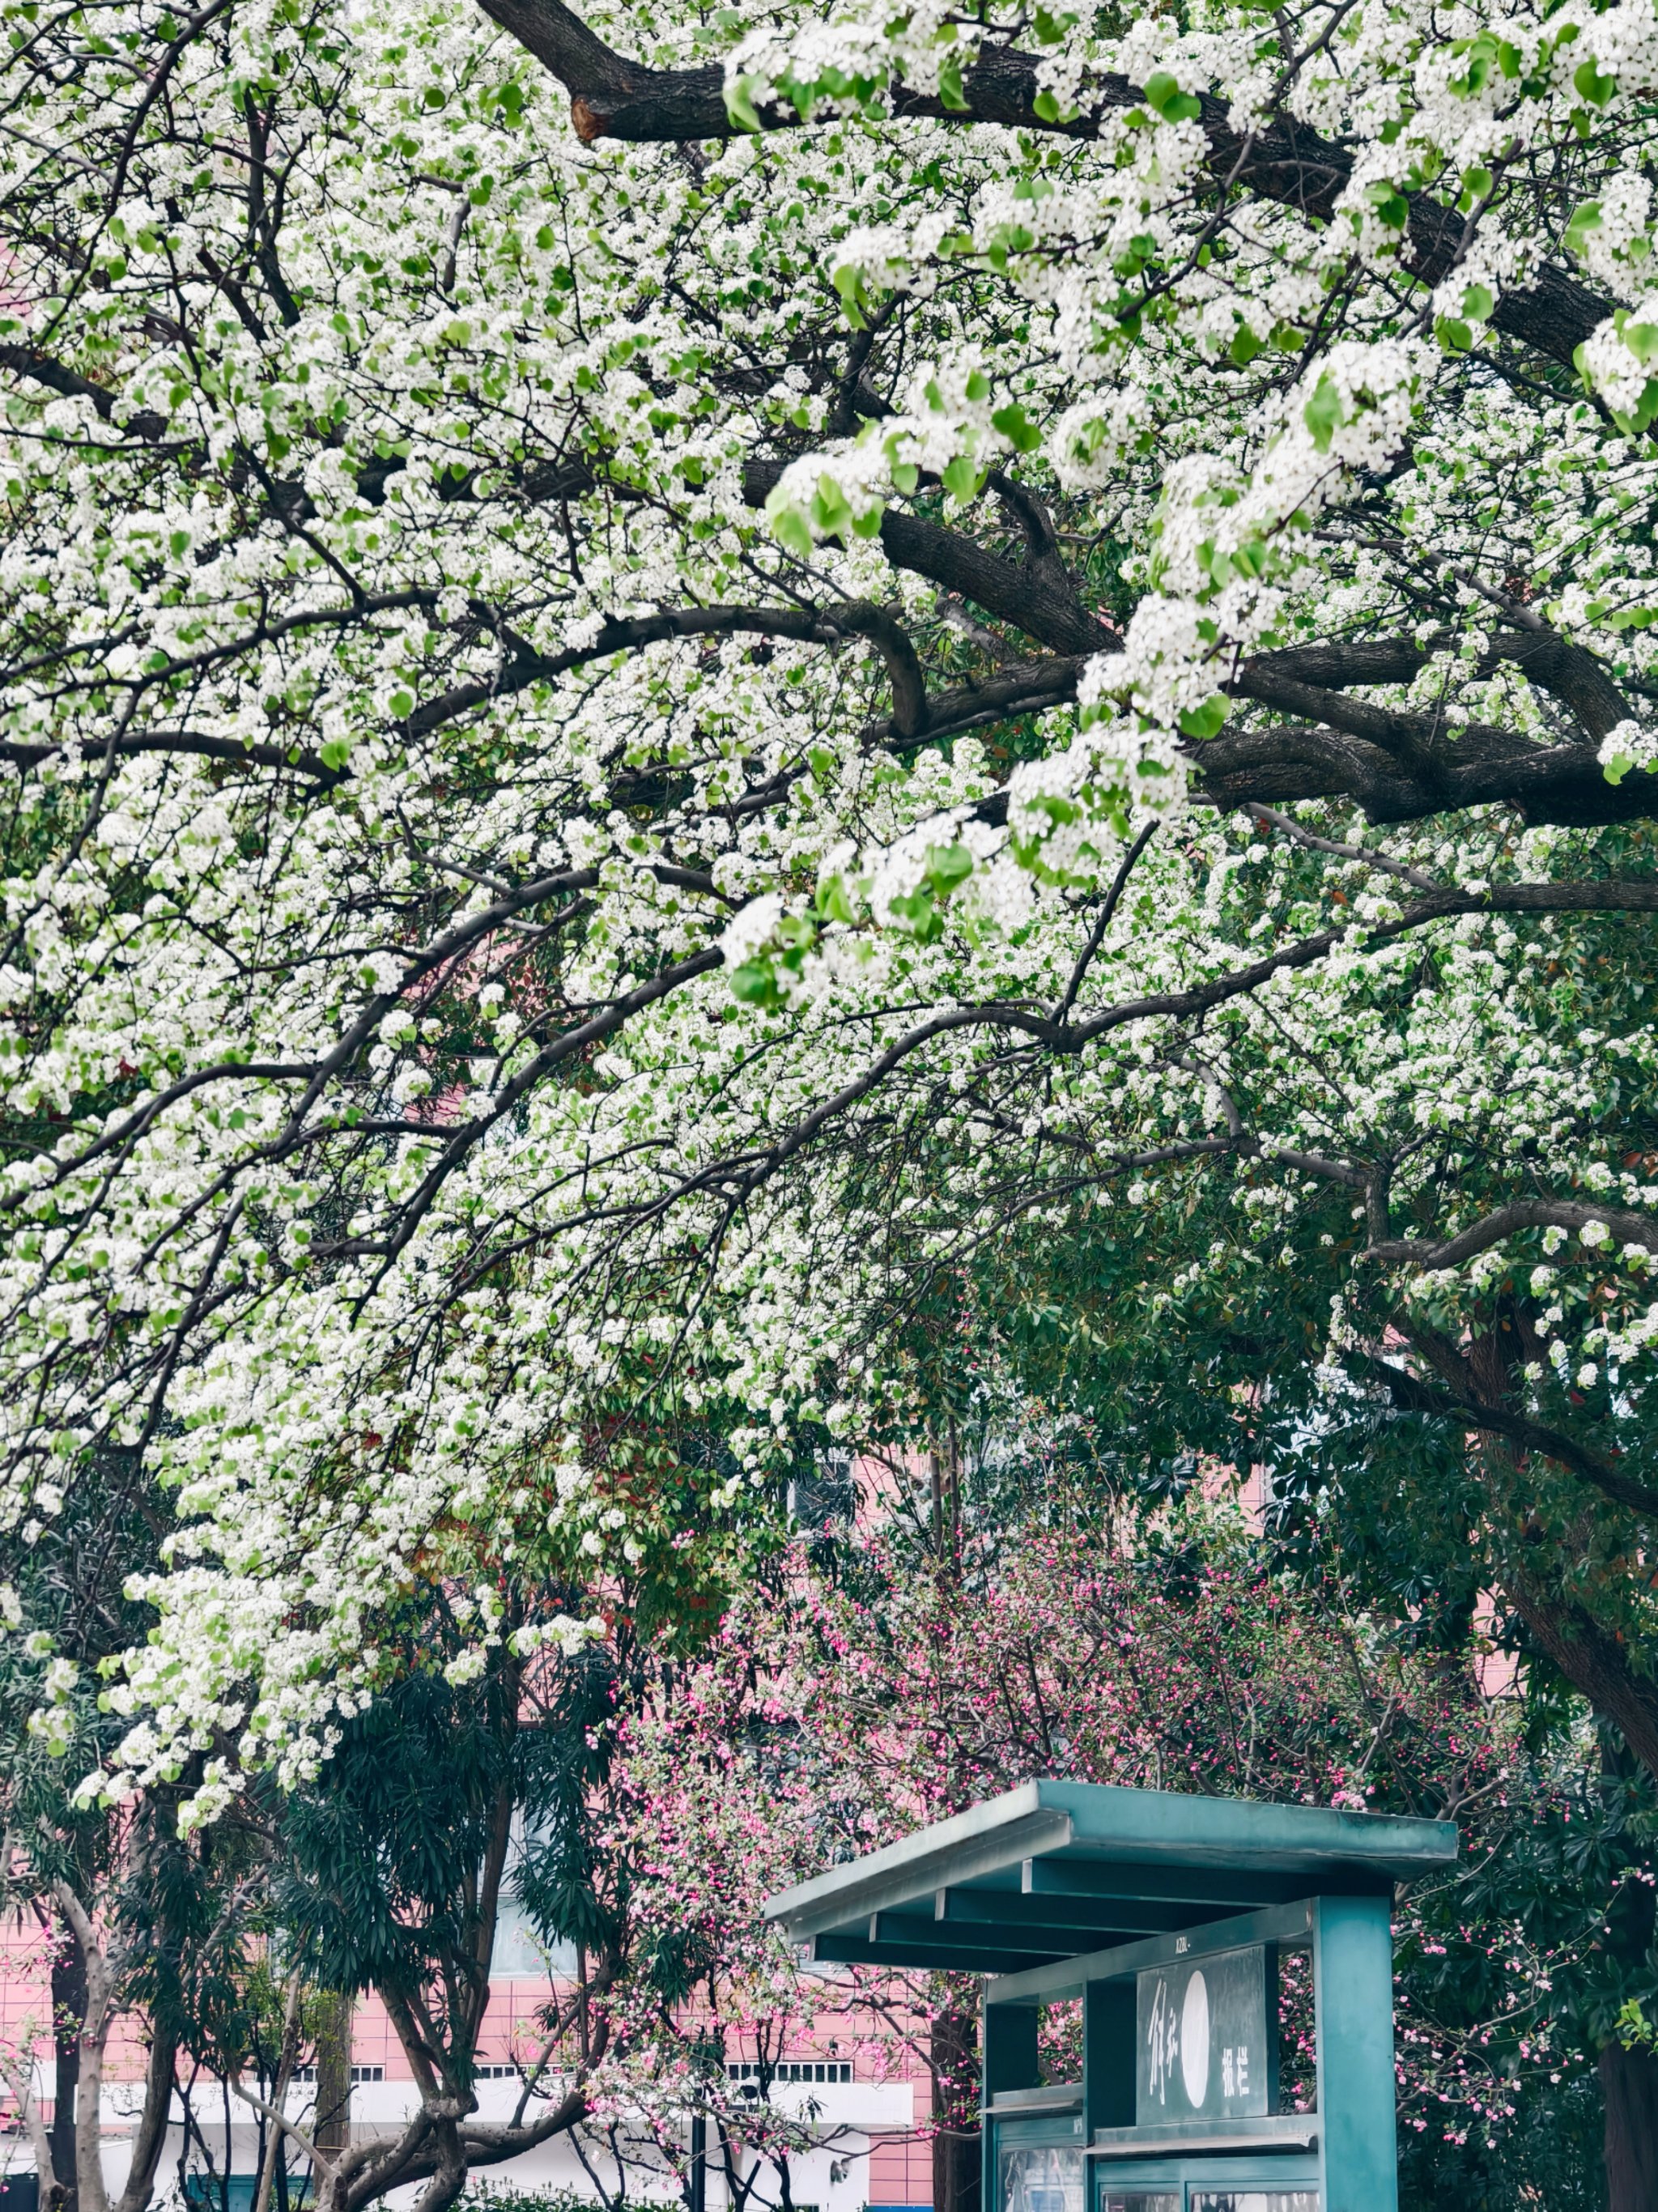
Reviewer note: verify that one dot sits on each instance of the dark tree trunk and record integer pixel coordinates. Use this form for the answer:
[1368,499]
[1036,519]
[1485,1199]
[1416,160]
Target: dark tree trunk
[68,2013]
[954,2055]
[1594,1663]
[1629,2081]
[332,2131]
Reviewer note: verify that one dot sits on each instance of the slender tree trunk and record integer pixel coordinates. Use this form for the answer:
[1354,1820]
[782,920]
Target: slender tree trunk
[332,2131]
[68,2012]
[149,2138]
[276,2144]
[17,2070]
[97,2018]
[1629,2081]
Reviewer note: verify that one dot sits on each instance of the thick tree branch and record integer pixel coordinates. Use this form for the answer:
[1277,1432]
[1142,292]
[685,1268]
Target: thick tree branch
[611,97]
[1037,597]
[57,376]
[1508,1220]
[132,743]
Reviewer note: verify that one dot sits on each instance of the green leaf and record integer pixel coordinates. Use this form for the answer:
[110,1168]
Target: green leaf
[1584,223]
[791,529]
[832,903]
[1205,721]
[1595,88]
[920,910]
[963,479]
[1170,102]
[848,281]
[829,510]
[756,984]
[1016,426]
[740,104]
[948,866]
[1476,184]
[1322,414]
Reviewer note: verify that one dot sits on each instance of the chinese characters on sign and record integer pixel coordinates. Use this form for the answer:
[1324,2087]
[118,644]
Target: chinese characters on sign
[1202,2039]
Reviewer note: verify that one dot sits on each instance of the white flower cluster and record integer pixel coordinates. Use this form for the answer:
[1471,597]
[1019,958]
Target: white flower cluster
[1090,441]
[1619,358]
[1614,231]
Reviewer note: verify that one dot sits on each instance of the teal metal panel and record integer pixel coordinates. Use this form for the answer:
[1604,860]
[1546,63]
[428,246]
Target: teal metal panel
[945,1937]
[1064,1921]
[1353,2000]
[1173,1896]
[1007,2048]
[1107,2056]
[1280,2171]
[987,1840]
[1007,2060]
[1243,1831]
[963,1957]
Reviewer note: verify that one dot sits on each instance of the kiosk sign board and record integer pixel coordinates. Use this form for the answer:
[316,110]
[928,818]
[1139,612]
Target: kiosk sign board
[1201,2035]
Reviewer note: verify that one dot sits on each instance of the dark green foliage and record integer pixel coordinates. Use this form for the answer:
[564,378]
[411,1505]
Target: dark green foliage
[437,1795]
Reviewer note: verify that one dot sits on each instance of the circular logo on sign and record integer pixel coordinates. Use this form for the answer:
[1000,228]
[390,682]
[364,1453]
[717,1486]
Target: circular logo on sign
[1195,2039]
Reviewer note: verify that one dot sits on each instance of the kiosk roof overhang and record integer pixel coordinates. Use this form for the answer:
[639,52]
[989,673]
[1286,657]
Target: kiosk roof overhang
[1052,1869]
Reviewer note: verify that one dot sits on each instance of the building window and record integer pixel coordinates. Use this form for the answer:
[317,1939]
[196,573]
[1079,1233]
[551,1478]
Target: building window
[792,2069]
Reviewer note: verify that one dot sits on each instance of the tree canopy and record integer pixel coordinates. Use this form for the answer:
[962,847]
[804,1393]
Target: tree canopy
[670,676]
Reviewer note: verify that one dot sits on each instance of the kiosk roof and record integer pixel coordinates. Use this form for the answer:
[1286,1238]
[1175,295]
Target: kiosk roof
[1052,1869]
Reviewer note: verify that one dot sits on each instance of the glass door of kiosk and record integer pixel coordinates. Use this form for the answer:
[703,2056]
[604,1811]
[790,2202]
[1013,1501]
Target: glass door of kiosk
[1040,2167]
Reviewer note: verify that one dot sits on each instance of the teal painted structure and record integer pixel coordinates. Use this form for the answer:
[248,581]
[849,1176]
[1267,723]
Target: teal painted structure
[1059,1891]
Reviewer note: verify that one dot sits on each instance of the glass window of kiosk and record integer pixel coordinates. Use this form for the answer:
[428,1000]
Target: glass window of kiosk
[1044,2178]
[1041,2168]
[1209,2200]
[1254,2200]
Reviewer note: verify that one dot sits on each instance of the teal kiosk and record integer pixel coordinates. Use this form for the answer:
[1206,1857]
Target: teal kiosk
[1166,1920]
